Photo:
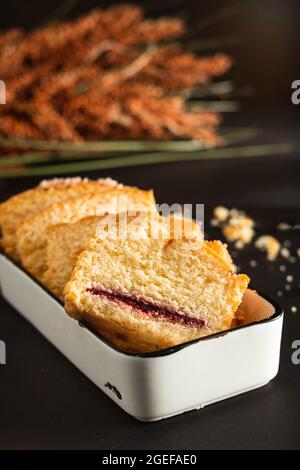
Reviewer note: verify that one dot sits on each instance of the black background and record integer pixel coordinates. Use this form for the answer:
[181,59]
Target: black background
[44,401]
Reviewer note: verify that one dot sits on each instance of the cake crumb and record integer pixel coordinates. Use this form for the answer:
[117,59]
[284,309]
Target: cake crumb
[283,226]
[253,263]
[294,309]
[235,268]
[75,180]
[292,259]
[270,245]
[239,229]
[239,245]
[214,223]
[65,181]
[282,268]
[236,226]
[109,182]
[298,252]
[289,278]
[221,213]
[285,252]
[279,293]
[287,287]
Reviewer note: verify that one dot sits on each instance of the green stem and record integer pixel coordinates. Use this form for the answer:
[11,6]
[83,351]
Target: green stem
[217,89]
[236,136]
[148,159]
[215,106]
[230,136]
[105,146]
[42,157]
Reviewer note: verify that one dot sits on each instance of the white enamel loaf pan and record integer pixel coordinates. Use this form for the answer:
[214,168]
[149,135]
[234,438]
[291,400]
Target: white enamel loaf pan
[153,386]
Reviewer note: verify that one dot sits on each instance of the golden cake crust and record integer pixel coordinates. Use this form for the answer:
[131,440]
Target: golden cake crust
[64,244]
[32,233]
[25,205]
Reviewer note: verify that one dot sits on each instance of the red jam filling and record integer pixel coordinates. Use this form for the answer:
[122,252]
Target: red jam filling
[148,308]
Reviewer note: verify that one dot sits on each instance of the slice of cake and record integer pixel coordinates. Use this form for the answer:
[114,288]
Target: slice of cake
[28,203]
[66,241]
[64,244]
[32,233]
[145,293]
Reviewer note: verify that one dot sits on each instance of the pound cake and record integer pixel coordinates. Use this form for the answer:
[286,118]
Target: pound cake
[66,241]
[28,203]
[32,233]
[145,293]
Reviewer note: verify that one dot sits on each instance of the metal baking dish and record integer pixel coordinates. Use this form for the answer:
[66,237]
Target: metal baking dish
[158,385]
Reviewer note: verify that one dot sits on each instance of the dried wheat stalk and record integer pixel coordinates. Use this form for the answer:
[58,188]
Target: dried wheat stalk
[108,75]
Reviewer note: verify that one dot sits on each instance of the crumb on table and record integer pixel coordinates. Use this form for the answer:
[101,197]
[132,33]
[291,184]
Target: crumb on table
[268,244]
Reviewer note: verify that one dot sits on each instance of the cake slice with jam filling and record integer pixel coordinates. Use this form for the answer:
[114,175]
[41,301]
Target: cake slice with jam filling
[150,292]
[66,241]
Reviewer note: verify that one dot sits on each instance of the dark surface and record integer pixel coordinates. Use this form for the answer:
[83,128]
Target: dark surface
[45,402]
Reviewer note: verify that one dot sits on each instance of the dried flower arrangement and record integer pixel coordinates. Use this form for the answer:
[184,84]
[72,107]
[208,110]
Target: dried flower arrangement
[105,75]
[110,81]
